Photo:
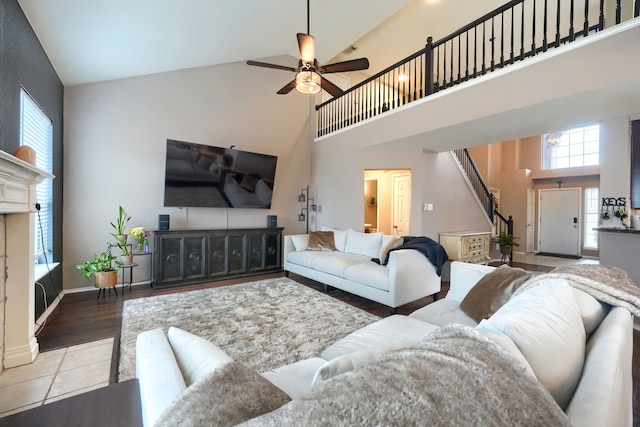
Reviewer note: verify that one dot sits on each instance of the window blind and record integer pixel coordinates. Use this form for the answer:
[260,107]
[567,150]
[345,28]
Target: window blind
[36,131]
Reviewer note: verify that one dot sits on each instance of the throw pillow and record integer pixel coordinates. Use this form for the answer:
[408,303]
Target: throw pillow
[367,244]
[339,237]
[492,291]
[249,183]
[225,397]
[196,356]
[321,241]
[391,242]
[300,241]
[545,323]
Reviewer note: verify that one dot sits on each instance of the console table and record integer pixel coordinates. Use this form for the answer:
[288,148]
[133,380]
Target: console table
[183,257]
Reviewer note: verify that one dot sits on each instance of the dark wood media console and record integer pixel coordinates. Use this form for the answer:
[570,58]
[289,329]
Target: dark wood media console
[182,257]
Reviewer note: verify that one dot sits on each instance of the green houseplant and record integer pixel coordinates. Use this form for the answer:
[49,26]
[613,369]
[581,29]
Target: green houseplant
[506,239]
[100,270]
[120,233]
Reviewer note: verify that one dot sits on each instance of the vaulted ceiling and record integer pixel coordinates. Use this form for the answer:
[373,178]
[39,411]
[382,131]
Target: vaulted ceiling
[95,40]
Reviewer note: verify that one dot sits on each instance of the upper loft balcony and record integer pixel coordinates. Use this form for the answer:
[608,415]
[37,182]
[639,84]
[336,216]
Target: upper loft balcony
[512,73]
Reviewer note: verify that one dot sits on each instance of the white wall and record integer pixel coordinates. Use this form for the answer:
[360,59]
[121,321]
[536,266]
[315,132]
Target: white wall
[338,182]
[115,139]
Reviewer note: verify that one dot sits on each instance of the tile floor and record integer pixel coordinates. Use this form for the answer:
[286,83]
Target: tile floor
[56,375]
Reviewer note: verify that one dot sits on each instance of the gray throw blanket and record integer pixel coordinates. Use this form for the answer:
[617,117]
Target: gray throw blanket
[455,377]
[606,283]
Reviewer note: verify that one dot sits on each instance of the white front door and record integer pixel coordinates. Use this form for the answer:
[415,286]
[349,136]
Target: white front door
[559,221]
[401,207]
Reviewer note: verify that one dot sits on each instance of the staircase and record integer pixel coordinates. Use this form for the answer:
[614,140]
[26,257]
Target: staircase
[482,194]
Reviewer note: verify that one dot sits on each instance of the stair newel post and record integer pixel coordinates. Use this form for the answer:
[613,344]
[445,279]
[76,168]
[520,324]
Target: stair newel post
[428,66]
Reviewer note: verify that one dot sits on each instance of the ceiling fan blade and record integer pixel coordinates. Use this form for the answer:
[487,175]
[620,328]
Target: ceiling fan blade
[351,65]
[333,90]
[288,88]
[265,65]
[307,45]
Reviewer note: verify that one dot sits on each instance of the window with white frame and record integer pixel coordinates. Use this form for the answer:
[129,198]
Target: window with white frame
[591,217]
[572,148]
[36,131]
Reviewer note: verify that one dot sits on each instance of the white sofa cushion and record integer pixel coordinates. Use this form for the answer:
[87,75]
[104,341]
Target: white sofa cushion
[339,237]
[392,331]
[195,355]
[490,331]
[368,273]
[303,258]
[545,323]
[591,310]
[442,312]
[295,379]
[300,241]
[368,244]
[336,263]
[158,387]
[464,276]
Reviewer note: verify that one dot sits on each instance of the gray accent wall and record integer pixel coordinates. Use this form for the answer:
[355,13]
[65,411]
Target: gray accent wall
[23,62]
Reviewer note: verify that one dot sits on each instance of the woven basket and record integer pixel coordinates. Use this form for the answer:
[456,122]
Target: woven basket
[105,279]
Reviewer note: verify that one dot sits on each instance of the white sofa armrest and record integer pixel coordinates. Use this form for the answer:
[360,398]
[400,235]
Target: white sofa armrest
[288,246]
[159,376]
[411,276]
[605,391]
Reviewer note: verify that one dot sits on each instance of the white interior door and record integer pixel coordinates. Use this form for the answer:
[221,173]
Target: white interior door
[401,206]
[559,221]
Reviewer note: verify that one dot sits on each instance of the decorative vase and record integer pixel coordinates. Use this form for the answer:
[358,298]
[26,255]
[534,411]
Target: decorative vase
[105,279]
[140,247]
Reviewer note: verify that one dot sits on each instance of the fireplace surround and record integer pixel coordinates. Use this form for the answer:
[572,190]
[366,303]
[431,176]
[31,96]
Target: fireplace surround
[18,180]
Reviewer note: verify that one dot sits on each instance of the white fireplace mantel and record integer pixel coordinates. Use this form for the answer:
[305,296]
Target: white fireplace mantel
[18,180]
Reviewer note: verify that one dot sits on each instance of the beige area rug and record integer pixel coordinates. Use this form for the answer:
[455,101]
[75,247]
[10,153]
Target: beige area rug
[264,324]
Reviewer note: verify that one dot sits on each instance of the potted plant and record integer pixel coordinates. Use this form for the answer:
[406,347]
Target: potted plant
[507,242]
[100,270]
[121,235]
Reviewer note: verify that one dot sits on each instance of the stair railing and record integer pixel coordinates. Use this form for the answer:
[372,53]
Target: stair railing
[513,32]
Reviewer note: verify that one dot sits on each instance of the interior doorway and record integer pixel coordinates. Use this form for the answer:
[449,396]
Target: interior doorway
[387,201]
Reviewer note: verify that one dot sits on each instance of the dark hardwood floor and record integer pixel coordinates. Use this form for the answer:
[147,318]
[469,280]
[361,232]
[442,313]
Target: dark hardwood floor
[81,317]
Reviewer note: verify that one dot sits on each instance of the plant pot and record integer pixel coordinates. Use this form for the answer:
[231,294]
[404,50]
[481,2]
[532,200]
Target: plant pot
[126,259]
[105,279]
[505,250]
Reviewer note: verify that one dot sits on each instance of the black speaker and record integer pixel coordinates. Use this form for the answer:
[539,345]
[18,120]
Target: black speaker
[163,222]
[272,220]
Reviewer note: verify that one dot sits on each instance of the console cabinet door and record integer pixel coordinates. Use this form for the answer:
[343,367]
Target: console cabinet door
[169,265]
[194,257]
[272,251]
[218,259]
[237,254]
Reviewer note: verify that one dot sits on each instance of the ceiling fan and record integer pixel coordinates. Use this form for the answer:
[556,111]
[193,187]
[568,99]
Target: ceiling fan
[308,74]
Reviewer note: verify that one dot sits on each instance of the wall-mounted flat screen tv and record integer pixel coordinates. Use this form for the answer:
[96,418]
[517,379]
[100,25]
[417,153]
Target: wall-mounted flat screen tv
[199,175]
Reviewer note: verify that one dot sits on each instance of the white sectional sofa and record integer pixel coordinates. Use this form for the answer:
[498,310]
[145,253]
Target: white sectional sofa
[570,353]
[407,276]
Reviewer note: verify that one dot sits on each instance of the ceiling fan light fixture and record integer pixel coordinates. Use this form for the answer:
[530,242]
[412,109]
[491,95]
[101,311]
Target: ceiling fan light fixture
[308,82]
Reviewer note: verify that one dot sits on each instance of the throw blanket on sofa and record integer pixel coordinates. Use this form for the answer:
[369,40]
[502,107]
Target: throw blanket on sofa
[431,249]
[606,283]
[455,377]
